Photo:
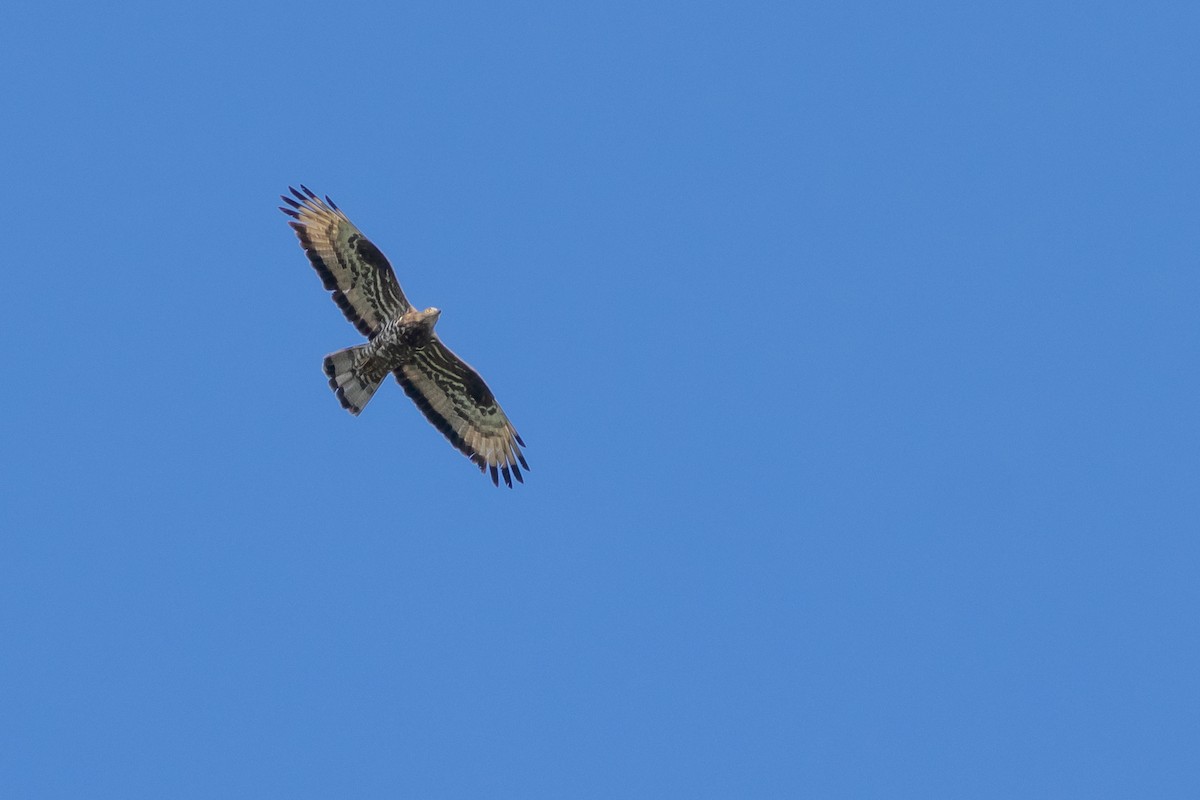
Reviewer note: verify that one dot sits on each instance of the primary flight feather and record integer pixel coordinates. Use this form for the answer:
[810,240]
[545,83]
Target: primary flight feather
[400,340]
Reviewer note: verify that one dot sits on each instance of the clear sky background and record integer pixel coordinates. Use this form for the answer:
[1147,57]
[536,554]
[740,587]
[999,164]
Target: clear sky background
[855,347]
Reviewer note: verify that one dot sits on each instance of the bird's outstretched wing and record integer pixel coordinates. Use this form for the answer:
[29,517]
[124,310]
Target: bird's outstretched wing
[361,279]
[455,399]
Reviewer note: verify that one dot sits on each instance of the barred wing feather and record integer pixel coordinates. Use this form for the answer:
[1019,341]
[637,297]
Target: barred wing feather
[363,283]
[455,399]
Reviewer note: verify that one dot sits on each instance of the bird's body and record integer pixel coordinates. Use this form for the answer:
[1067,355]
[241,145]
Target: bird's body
[400,340]
[356,372]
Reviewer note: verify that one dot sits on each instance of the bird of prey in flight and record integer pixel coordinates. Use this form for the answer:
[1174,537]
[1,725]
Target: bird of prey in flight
[400,340]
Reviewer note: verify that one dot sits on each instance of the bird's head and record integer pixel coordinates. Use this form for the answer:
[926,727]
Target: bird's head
[416,327]
[425,319]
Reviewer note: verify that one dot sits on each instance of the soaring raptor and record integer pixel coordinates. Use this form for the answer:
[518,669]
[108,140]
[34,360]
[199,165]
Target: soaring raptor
[401,340]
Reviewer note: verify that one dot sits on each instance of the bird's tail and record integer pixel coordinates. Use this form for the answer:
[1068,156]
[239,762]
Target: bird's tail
[354,375]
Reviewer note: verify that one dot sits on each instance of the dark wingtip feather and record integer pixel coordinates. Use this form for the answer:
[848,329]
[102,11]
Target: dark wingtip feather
[291,212]
[332,204]
[521,458]
[517,473]
[507,476]
[495,475]
[517,436]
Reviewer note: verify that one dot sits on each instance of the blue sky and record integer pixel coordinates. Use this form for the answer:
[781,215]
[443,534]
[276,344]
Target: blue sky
[854,345]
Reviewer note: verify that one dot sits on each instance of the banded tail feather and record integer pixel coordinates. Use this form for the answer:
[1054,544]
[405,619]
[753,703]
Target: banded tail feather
[354,375]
